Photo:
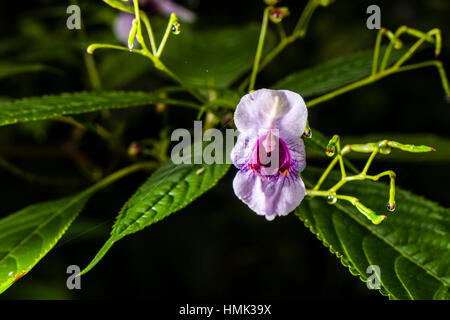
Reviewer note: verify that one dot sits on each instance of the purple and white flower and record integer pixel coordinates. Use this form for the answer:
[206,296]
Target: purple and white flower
[124,21]
[269,152]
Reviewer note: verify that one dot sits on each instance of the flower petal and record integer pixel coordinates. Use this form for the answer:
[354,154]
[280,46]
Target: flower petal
[272,109]
[122,26]
[166,7]
[270,196]
[296,148]
[243,149]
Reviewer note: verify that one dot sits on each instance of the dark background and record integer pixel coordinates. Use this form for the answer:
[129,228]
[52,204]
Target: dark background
[216,248]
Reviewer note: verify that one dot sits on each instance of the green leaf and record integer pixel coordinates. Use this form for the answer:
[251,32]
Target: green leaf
[203,58]
[119,69]
[47,107]
[333,74]
[9,70]
[169,189]
[29,234]
[410,246]
[419,285]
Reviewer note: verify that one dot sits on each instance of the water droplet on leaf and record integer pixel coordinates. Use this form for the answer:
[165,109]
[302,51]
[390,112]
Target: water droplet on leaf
[176,28]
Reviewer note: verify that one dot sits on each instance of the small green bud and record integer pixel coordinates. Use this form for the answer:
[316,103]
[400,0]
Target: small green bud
[134,149]
[398,44]
[369,213]
[331,147]
[132,34]
[176,27]
[410,147]
[161,107]
[308,131]
[90,50]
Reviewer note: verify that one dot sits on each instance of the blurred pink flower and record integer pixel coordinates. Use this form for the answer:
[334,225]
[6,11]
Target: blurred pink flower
[123,22]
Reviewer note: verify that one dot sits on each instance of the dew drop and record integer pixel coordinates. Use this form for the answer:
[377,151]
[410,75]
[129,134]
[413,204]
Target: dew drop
[176,28]
[331,199]
[391,206]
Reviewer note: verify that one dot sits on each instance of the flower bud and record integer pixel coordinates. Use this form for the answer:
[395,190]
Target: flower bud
[161,107]
[308,132]
[271,2]
[325,3]
[134,149]
[369,213]
[227,120]
[331,147]
[176,27]
[132,34]
[278,14]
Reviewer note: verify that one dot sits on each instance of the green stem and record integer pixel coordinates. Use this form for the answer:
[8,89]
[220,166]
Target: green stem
[89,62]
[267,59]
[101,131]
[373,78]
[415,46]
[130,9]
[161,66]
[148,26]
[377,51]
[431,63]
[166,36]
[305,18]
[369,162]
[341,165]
[281,31]
[326,172]
[96,46]
[259,49]
[374,148]
[120,174]
[343,90]
[91,68]
[299,32]
[33,178]
[386,56]
[139,35]
[156,61]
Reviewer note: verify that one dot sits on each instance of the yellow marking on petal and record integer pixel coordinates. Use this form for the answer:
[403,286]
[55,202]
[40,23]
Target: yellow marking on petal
[276,103]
